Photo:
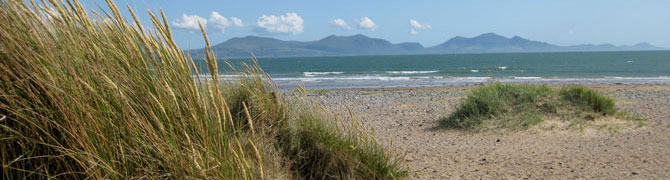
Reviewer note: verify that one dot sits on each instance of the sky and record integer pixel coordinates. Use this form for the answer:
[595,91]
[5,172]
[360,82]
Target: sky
[429,22]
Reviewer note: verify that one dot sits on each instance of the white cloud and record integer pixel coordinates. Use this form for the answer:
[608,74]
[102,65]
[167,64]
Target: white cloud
[367,23]
[340,23]
[237,22]
[189,22]
[415,26]
[220,22]
[283,24]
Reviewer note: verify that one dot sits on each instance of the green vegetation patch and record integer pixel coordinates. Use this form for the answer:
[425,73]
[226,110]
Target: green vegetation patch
[588,99]
[327,150]
[84,98]
[521,106]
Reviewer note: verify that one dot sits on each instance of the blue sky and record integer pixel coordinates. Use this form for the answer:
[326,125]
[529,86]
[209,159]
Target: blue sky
[562,22]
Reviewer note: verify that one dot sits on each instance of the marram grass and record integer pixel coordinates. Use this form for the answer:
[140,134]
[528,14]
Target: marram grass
[516,107]
[91,96]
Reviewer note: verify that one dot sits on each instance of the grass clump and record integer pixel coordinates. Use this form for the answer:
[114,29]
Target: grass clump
[518,104]
[90,96]
[328,150]
[589,99]
[521,106]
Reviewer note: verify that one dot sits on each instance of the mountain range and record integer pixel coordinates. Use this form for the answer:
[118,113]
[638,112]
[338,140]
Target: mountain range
[363,45]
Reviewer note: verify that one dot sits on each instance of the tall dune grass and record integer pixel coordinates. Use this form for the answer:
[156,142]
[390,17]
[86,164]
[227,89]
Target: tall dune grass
[91,96]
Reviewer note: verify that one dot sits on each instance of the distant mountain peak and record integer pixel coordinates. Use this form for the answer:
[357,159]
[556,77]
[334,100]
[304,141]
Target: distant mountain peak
[491,36]
[359,44]
[252,37]
[355,36]
[644,44]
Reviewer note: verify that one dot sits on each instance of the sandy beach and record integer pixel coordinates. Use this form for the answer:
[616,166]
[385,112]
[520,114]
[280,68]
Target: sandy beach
[406,119]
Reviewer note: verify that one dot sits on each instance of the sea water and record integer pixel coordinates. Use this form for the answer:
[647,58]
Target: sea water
[641,67]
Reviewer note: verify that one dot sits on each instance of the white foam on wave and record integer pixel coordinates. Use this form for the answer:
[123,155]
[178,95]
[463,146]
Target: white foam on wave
[412,72]
[471,78]
[474,70]
[426,77]
[638,78]
[526,78]
[375,79]
[382,78]
[312,74]
[502,67]
[225,76]
[358,78]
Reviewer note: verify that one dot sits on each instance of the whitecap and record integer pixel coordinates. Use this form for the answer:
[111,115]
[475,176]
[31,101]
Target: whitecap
[312,74]
[526,78]
[411,72]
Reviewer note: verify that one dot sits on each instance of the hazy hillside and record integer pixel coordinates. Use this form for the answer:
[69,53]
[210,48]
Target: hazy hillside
[490,42]
[362,45]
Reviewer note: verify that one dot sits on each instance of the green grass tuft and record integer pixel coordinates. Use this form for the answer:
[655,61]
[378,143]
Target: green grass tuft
[521,106]
[327,150]
[518,104]
[589,99]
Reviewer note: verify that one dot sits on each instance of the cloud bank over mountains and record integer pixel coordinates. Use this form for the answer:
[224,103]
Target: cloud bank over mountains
[415,26]
[340,23]
[367,23]
[216,21]
[289,23]
[283,24]
[220,22]
[189,22]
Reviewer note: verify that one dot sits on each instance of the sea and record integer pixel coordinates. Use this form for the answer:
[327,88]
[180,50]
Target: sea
[392,71]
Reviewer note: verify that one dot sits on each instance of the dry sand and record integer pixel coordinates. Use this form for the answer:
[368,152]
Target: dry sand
[407,117]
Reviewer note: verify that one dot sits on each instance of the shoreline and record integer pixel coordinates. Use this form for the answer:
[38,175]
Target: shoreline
[422,83]
[470,86]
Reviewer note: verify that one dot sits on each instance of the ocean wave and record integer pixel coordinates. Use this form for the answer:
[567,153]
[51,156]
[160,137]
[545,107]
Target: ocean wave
[470,78]
[474,70]
[526,78]
[371,78]
[228,75]
[312,74]
[638,78]
[502,67]
[360,78]
[381,78]
[412,72]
